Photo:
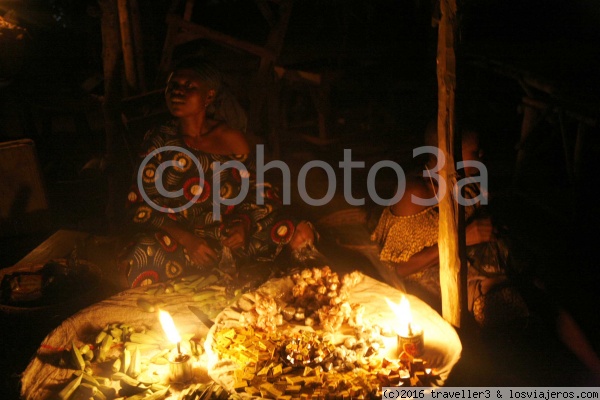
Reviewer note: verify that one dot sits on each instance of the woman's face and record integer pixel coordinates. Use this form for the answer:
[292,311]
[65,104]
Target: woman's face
[471,152]
[186,94]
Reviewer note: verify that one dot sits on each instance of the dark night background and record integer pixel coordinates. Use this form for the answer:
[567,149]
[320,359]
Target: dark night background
[383,52]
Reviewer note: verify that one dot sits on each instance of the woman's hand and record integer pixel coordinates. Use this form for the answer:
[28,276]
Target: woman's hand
[235,237]
[480,230]
[199,250]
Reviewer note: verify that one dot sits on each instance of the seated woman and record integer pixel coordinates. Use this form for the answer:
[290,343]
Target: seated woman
[173,200]
[407,235]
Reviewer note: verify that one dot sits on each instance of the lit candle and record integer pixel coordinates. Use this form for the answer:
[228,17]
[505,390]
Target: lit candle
[180,367]
[410,335]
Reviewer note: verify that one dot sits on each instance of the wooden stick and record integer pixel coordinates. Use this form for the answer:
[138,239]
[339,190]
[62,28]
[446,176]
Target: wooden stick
[450,265]
[138,44]
[545,106]
[517,74]
[112,95]
[199,31]
[167,55]
[127,47]
[264,74]
[265,10]
[278,30]
[189,10]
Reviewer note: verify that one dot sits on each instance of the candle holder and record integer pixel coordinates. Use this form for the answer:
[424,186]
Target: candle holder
[412,343]
[417,365]
[180,369]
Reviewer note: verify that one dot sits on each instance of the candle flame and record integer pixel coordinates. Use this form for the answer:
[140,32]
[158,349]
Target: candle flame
[403,315]
[169,326]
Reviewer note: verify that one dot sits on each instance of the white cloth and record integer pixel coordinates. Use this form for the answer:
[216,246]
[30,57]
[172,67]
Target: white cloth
[43,378]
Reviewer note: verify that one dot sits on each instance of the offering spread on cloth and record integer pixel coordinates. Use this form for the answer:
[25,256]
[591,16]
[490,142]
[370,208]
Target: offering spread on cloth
[310,335]
[313,334]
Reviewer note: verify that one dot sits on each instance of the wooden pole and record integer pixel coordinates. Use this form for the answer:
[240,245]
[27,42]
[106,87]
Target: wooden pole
[138,44]
[450,265]
[259,93]
[127,47]
[111,51]
[119,172]
[191,31]
[189,10]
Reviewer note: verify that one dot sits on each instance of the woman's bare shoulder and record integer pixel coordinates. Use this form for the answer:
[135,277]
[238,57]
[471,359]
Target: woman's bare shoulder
[415,186]
[232,141]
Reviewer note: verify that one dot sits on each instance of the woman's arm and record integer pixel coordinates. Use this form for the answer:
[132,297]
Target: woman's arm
[424,259]
[198,248]
[478,231]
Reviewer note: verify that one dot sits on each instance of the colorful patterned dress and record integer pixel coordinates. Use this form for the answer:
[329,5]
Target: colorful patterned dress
[153,255]
[400,237]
